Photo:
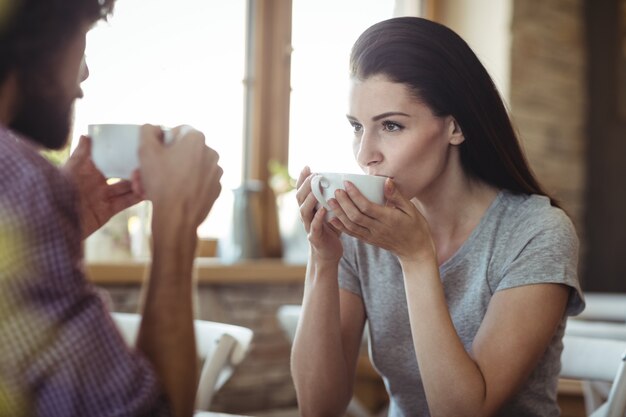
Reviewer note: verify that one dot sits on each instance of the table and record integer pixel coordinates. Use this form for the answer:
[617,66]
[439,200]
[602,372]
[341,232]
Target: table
[214,414]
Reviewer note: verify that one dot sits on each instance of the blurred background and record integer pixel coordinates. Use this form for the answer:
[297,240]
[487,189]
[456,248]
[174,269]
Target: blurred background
[266,80]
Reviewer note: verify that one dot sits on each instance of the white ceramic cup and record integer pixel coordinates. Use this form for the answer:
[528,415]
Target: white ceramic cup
[324,185]
[115,148]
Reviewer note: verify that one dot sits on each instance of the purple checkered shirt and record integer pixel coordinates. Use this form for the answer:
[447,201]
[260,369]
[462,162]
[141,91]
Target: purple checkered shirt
[60,353]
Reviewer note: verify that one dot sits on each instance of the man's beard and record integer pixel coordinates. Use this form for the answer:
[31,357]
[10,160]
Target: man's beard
[43,118]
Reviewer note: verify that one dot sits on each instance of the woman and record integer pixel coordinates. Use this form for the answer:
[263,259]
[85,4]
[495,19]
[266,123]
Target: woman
[468,272]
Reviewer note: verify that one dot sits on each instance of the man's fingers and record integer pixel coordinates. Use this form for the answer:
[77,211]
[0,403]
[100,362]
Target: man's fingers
[84,146]
[123,201]
[118,188]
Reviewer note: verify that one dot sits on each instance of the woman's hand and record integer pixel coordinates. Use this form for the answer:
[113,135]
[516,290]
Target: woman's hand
[99,201]
[397,226]
[324,238]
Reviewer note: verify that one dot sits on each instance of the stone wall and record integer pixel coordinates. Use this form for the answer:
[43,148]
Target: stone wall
[548,96]
[262,381]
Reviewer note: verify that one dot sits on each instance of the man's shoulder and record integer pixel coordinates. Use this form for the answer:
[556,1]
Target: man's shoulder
[28,182]
[22,166]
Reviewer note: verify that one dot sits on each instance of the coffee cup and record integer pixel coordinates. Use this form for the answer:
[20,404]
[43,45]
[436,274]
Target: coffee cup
[324,185]
[115,148]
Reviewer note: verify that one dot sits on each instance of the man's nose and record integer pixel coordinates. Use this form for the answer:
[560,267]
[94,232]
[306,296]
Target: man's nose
[84,70]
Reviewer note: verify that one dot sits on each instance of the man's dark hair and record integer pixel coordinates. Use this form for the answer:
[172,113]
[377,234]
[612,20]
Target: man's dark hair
[33,35]
[32,32]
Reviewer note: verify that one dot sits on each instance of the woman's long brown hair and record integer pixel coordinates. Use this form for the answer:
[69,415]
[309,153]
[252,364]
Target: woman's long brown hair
[444,73]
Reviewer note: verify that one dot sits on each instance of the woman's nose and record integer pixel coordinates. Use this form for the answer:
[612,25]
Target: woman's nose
[366,151]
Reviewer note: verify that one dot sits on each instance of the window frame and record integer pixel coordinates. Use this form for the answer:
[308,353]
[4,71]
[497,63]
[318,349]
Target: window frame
[268,91]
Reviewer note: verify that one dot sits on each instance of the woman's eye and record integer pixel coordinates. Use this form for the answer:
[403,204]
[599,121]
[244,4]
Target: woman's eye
[391,126]
[356,127]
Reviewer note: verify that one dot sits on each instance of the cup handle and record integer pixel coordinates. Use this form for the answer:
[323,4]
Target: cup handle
[168,136]
[317,183]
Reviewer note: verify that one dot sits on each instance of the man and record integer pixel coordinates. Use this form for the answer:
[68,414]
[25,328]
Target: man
[60,354]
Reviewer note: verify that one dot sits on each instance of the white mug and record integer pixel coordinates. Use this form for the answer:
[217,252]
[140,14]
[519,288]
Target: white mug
[324,185]
[115,148]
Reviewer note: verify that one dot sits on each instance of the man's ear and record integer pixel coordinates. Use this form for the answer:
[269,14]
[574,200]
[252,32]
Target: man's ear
[9,97]
[455,134]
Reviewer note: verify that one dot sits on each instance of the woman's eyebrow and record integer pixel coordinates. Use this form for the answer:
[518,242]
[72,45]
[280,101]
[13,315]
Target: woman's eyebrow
[388,114]
[380,116]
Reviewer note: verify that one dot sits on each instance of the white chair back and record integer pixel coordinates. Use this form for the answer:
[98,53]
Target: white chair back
[595,359]
[604,307]
[288,316]
[220,346]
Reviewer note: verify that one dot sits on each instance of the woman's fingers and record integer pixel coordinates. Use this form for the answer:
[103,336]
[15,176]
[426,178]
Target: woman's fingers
[306,171]
[394,198]
[317,224]
[361,208]
[352,224]
[307,210]
[304,189]
[357,214]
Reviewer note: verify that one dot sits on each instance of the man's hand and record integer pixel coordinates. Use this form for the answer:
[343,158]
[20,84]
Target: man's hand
[99,201]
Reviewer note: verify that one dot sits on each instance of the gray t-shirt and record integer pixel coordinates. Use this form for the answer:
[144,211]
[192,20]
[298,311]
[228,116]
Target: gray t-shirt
[520,240]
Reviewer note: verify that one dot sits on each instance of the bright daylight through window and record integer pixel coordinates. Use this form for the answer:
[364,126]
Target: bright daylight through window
[322,36]
[172,62]
[169,63]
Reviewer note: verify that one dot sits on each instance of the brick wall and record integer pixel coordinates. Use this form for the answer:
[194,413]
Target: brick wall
[548,95]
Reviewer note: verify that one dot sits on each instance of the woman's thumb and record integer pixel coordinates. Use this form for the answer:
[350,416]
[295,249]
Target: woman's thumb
[392,195]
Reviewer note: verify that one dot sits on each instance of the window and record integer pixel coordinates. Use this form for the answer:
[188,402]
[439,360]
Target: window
[322,36]
[172,62]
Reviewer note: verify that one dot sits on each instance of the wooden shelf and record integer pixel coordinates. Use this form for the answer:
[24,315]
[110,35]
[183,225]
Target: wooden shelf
[209,271]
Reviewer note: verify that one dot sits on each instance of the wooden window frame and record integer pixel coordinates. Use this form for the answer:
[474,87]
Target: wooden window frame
[268,91]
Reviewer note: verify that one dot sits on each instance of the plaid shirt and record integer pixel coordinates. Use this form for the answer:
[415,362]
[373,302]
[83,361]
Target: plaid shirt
[60,353]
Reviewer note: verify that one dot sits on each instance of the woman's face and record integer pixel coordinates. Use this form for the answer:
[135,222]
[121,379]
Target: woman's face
[397,136]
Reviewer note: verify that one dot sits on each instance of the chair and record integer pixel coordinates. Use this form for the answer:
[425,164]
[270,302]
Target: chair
[220,346]
[604,317]
[288,316]
[604,307]
[595,359]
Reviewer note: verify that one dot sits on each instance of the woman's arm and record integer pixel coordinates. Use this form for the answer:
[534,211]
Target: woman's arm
[329,331]
[516,330]
[327,343]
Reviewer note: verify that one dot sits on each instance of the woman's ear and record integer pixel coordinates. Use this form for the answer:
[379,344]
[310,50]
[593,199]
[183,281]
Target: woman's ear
[455,134]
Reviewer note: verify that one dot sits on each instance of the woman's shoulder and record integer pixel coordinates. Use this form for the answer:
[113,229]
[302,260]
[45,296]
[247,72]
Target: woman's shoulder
[532,213]
[524,225]
[528,224]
